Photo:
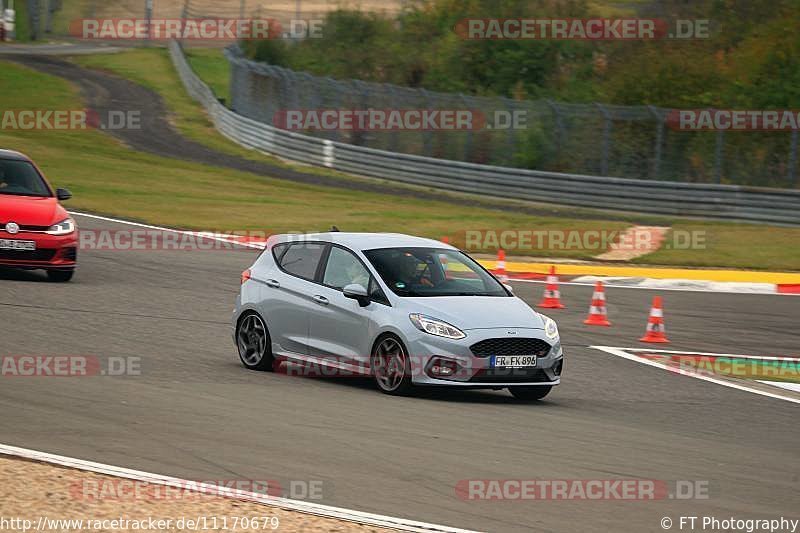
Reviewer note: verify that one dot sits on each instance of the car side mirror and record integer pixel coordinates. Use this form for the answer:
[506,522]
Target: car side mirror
[358,293]
[509,288]
[63,194]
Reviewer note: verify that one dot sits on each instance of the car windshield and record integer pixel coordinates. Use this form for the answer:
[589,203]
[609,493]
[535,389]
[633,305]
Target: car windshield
[21,178]
[432,272]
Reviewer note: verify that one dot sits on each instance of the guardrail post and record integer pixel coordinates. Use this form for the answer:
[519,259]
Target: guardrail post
[606,139]
[792,177]
[659,141]
[328,155]
[718,156]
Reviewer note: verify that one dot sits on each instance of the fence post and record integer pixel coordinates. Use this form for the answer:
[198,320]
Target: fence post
[511,138]
[426,136]
[718,156]
[606,139]
[559,127]
[148,15]
[659,141]
[469,140]
[793,160]
[33,15]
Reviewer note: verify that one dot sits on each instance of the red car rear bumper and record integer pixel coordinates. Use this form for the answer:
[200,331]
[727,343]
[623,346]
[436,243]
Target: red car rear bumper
[52,252]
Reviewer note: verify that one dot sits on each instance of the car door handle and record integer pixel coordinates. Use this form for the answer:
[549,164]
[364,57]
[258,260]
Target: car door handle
[272,283]
[321,300]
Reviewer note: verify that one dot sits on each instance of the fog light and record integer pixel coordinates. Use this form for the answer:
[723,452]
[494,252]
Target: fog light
[440,367]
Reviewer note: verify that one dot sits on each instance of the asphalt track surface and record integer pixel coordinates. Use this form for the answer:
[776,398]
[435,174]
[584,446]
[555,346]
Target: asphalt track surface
[195,413]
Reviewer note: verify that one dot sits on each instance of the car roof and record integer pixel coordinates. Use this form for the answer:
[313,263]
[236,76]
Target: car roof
[366,241]
[11,154]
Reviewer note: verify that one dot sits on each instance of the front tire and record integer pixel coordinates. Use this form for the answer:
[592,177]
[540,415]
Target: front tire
[530,393]
[391,366]
[254,343]
[60,276]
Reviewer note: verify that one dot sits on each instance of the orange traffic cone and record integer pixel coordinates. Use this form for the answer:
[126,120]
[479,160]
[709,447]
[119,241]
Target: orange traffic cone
[598,316]
[500,269]
[552,296]
[655,324]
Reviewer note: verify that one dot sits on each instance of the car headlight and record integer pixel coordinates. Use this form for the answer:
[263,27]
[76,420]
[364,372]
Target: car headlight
[65,227]
[550,327]
[436,327]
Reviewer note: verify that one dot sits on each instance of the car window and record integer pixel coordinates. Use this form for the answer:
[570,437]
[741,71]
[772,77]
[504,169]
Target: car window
[302,259]
[21,178]
[345,269]
[432,272]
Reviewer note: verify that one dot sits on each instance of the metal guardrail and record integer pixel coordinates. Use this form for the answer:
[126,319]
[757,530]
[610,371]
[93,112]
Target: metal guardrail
[731,202]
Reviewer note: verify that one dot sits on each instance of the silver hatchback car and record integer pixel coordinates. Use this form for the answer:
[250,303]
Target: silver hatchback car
[404,310]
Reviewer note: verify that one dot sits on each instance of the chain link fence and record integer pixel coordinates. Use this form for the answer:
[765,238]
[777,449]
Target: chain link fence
[589,139]
[594,139]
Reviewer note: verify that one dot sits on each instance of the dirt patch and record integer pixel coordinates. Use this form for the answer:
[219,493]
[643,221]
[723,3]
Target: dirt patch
[30,491]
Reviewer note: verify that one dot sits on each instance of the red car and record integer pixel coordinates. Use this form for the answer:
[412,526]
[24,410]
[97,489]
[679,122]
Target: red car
[35,231]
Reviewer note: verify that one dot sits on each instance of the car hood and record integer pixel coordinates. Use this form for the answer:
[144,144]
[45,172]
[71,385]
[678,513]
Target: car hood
[30,210]
[477,312]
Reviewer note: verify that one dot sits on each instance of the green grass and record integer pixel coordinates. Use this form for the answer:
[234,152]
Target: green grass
[212,67]
[108,178]
[164,191]
[731,245]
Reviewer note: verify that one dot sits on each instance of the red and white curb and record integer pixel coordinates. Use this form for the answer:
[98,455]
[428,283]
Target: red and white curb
[300,506]
[631,355]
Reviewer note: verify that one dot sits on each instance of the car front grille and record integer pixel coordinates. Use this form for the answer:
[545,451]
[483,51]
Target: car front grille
[25,227]
[25,255]
[510,375]
[510,346]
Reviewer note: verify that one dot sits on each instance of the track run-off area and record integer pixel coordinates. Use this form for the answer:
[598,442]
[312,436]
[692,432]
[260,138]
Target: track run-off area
[191,411]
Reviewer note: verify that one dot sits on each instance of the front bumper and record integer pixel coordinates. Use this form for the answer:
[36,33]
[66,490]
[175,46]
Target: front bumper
[53,252]
[476,372]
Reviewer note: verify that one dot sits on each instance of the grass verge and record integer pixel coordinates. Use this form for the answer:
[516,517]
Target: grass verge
[244,201]
[106,177]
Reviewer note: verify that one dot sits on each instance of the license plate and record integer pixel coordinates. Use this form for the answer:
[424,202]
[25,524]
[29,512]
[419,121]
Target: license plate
[13,244]
[513,361]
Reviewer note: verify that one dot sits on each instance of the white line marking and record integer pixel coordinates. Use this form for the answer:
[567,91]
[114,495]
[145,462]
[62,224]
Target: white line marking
[782,384]
[621,352]
[728,355]
[227,492]
[159,228]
